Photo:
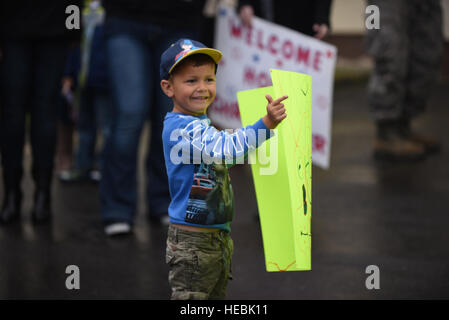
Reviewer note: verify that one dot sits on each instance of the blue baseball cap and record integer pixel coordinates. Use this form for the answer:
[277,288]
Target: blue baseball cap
[180,50]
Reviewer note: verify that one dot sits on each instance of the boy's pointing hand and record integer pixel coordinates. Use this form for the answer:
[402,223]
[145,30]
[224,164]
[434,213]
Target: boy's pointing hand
[275,112]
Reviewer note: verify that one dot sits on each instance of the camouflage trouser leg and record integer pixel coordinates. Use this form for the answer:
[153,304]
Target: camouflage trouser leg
[407,50]
[199,263]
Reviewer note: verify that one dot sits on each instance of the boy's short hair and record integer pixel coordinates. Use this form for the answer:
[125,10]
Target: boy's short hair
[182,49]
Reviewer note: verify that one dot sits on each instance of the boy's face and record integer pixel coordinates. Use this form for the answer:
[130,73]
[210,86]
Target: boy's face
[192,88]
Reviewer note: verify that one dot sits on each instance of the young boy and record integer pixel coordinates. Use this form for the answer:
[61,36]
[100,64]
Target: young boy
[199,247]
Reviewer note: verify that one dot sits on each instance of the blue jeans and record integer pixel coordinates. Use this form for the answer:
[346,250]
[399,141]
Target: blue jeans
[94,114]
[133,52]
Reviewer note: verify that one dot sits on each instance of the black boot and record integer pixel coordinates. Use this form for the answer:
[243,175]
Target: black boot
[42,206]
[41,212]
[11,206]
[12,200]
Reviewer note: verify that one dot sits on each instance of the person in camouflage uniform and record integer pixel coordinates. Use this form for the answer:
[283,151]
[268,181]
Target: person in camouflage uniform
[407,51]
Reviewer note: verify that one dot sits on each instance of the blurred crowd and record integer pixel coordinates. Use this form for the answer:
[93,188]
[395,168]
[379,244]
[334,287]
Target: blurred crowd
[84,96]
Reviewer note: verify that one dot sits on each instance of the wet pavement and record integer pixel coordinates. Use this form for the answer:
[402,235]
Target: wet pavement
[364,213]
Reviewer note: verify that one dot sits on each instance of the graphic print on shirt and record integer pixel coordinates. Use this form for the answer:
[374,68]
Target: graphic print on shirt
[211,199]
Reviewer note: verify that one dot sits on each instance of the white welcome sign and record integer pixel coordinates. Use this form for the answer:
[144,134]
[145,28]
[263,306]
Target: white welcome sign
[248,55]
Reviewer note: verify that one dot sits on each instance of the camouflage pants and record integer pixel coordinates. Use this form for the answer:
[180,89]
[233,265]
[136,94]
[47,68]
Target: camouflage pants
[199,263]
[407,50]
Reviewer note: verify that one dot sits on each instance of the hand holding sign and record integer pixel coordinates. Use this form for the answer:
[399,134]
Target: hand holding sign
[284,195]
[275,112]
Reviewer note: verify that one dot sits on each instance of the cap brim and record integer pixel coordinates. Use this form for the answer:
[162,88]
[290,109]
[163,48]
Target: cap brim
[213,53]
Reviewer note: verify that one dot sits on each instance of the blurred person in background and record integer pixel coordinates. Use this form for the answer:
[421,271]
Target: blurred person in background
[407,51]
[88,70]
[34,43]
[136,33]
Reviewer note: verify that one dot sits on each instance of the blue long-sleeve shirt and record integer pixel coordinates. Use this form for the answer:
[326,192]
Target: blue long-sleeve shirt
[197,157]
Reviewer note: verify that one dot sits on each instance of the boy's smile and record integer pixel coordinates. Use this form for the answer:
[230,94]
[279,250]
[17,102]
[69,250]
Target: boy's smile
[192,88]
